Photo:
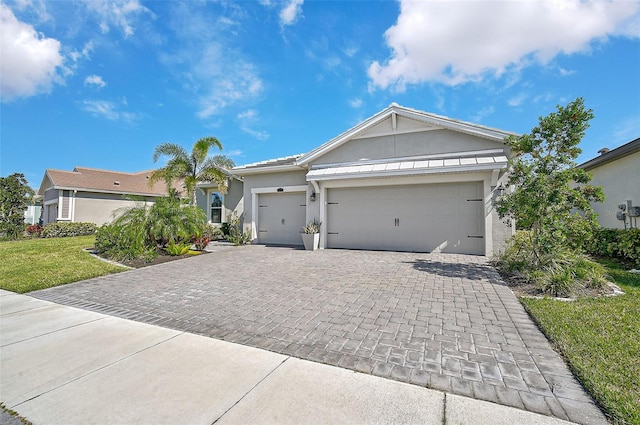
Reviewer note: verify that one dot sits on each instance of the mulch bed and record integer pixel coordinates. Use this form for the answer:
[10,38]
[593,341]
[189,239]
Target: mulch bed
[161,258]
[524,288]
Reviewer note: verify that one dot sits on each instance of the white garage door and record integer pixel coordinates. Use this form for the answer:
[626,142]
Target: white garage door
[421,218]
[280,218]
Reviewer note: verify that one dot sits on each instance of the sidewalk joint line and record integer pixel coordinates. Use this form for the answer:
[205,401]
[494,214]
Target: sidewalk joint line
[98,369]
[444,409]
[54,331]
[250,390]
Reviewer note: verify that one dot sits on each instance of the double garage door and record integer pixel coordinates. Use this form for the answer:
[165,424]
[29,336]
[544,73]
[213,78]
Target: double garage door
[421,218]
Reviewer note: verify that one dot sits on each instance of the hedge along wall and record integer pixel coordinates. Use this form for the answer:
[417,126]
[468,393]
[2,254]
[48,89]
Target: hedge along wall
[65,229]
[616,243]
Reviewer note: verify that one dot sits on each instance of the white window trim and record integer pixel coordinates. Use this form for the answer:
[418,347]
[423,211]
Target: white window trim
[223,210]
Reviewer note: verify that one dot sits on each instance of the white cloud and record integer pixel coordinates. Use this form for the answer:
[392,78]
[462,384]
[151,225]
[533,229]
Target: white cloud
[95,80]
[625,130]
[85,53]
[248,114]
[517,100]
[214,73]
[566,72]
[248,120]
[121,14]
[290,13]
[258,134]
[108,110]
[355,103]
[483,113]
[30,61]
[234,152]
[457,42]
[38,7]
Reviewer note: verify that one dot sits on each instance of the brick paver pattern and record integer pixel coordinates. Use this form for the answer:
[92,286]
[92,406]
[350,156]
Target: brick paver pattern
[442,321]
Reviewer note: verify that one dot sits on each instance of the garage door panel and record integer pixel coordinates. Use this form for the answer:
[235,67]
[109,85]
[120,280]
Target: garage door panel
[281,216]
[425,218]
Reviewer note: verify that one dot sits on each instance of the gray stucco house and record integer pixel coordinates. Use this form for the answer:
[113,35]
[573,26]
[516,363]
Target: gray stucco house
[618,172]
[91,195]
[402,180]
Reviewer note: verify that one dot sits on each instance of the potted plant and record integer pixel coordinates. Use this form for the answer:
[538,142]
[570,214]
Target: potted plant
[311,235]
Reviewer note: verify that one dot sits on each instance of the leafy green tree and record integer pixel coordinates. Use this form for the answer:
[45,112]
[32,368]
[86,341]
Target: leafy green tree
[548,187]
[15,195]
[192,168]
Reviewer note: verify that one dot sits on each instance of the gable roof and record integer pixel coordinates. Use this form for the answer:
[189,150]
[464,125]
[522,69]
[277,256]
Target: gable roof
[612,155]
[270,165]
[395,110]
[297,162]
[93,180]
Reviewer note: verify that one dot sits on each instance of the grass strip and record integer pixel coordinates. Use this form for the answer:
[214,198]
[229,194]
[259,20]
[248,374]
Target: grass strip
[600,338]
[30,264]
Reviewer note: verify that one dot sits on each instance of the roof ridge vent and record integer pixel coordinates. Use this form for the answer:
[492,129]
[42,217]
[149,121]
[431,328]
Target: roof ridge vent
[116,183]
[603,151]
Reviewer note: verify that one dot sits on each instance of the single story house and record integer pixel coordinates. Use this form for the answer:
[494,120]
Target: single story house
[90,195]
[618,172]
[220,204]
[402,180]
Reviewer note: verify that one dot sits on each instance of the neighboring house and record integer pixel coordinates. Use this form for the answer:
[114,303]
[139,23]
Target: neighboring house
[402,180]
[618,172]
[90,195]
[32,214]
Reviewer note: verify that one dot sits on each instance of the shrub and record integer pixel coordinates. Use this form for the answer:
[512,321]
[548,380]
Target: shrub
[175,249]
[616,243]
[236,234]
[558,274]
[213,232]
[143,231]
[34,230]
[64,229]
[170,220]
[200,242]
[125,238]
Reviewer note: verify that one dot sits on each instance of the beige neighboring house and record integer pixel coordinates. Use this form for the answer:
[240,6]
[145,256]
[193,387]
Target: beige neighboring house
[618,172]
[90,195]
[402,180]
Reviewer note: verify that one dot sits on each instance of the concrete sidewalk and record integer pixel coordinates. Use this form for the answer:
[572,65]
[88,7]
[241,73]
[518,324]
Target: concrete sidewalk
[62,365]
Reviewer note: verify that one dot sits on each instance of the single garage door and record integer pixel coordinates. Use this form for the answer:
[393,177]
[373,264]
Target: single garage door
[422,218]
[280,218]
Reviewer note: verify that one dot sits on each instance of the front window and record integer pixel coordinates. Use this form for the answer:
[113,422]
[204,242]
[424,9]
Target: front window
[216,207]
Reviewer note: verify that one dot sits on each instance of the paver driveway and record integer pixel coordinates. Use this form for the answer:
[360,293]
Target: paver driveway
[438,320]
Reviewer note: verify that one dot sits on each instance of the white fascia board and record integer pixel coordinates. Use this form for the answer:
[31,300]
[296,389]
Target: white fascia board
[267,169]
[409,172]
[347,135]
[451,124]
[434,120]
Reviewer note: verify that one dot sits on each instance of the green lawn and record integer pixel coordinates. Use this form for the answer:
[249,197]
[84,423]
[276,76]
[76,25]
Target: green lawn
[600,338]
[31,264]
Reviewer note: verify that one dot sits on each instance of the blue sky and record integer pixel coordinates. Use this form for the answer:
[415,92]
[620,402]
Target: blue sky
[101,83]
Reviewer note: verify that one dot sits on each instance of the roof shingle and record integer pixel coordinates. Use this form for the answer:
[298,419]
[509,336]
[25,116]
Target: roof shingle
[90,179]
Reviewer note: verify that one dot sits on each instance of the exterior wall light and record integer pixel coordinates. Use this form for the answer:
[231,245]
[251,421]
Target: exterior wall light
[312,197]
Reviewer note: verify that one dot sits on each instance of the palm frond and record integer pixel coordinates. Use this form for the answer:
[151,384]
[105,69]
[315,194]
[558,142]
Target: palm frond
[223,161]
[201,148]
[171,150]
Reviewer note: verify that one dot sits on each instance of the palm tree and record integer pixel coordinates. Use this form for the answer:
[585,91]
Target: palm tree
[192,168]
